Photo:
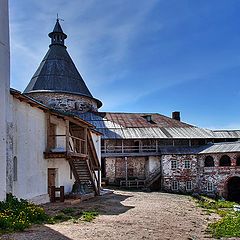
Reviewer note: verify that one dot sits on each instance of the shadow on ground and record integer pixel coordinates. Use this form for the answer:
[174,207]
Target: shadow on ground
[35,233]
[109,204]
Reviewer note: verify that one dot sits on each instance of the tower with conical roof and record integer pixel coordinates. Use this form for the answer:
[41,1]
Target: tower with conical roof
[57,82]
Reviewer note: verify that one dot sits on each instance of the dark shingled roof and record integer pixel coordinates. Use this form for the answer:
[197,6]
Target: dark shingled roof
[57,72]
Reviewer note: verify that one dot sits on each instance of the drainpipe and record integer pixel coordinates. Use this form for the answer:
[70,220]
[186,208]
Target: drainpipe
[126,169]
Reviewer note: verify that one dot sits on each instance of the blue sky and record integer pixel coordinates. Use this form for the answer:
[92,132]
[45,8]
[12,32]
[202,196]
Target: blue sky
[141,55]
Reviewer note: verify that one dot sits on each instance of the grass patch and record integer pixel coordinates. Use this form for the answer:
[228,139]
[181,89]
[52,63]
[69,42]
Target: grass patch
[229,224]
[89,216]
[71,214]
[17,215]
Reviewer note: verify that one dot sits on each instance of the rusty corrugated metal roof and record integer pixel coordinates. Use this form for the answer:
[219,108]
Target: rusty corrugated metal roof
[135,126]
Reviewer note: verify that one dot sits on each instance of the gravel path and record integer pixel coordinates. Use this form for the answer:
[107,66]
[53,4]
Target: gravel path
[130,216]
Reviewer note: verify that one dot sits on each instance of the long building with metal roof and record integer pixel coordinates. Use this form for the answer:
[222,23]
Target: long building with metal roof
[141,149]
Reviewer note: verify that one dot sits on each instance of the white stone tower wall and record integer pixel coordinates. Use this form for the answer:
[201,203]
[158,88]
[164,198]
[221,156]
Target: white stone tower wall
[4,91]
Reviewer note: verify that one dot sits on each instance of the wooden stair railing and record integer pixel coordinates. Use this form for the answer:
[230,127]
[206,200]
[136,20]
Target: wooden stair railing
[152,177]
[94,179]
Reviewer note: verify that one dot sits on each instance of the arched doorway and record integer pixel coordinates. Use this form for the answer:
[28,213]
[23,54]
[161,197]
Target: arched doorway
[233,189]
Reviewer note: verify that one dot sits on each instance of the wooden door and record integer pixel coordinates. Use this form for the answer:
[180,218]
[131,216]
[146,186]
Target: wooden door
[51,178]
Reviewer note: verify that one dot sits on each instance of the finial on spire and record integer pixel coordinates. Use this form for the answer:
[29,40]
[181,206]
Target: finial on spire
[59,19]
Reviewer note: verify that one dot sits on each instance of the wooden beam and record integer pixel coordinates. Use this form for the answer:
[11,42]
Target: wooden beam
[86,140]
[48,132]
[67,136]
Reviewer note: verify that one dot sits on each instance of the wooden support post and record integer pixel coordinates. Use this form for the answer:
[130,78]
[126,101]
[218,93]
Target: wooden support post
[126,170]
[48,132]
[62,194]
[105,146]
[122,147]
[99,181]
[67,136]
[86,140]
[52,194]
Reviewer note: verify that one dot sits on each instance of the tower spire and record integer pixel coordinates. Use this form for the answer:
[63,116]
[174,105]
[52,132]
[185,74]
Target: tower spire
[57,35]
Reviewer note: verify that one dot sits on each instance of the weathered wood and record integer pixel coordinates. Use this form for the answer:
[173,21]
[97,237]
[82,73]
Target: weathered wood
[48,131]
[62,197]
[52,194]
[86,140]
[53,191]
[67,136]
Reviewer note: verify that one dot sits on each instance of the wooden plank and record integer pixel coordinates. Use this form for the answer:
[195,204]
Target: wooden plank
[48,131]
[86,140]
[67,136]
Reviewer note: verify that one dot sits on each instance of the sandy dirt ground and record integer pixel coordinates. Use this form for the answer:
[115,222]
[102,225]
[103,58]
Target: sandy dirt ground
[128,215]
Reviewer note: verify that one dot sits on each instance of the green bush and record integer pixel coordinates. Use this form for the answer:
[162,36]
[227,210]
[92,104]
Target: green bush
[209,203]
[16,215]
[228,226]
[88,216]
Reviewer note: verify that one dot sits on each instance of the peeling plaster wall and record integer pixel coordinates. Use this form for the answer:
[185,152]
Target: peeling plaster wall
[11,132]
[217,175]
[179,174]
[116,168]
[30,140]
[152,164]
[65,101]
[4,91]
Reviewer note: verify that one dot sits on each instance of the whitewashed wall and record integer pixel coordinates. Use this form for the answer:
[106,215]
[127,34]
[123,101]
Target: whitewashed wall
[29,145]
[63,173]
[4,91]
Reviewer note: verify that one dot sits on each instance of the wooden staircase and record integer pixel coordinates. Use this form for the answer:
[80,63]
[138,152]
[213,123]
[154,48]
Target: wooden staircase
[84,169]
[152,177]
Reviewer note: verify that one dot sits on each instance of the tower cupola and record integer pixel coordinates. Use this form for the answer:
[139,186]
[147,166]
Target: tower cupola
[57,82]
[57,35]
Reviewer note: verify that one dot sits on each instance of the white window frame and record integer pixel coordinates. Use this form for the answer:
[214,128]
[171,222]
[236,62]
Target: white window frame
[174,162]
[175,185]
[210,187]
[187,184]
[187,166]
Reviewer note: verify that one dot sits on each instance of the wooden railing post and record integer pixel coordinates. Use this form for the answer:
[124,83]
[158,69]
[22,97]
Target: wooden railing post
[61,193]
[67,136]
[85,138]
[52,194]
[99,181]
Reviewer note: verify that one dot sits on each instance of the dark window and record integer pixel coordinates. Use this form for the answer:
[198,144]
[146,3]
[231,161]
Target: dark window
[225,161]
[238,161]
[209,162]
